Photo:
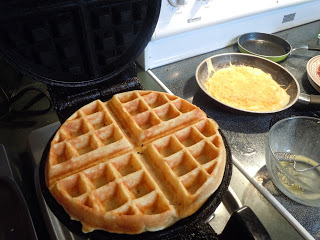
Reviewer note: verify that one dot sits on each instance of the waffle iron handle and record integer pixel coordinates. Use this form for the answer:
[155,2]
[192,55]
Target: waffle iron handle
[243,223]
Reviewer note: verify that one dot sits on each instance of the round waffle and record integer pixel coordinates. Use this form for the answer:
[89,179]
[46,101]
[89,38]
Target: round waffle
[138,162]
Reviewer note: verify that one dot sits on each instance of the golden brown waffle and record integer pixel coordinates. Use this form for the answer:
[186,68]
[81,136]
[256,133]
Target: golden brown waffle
[139,162]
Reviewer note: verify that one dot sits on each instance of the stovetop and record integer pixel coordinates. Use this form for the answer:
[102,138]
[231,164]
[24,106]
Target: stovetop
[246,191]
[247,146]
[39,138]
[247,133]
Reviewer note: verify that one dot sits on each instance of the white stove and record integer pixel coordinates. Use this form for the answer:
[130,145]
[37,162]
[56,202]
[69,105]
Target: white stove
[188,28]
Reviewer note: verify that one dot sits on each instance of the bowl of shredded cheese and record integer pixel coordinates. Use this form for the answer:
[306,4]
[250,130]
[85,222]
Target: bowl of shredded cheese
[247,83]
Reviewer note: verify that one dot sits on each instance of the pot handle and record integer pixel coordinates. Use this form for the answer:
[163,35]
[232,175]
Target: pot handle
[306,100]
[315,100]
[314,47]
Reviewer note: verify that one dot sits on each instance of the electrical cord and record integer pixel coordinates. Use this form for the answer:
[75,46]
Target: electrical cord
[7,109]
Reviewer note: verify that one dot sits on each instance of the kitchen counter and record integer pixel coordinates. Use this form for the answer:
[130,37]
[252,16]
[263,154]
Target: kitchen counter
[246,136]
[247,133]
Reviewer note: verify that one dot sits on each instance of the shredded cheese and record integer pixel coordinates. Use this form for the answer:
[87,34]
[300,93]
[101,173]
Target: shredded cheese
[247,88]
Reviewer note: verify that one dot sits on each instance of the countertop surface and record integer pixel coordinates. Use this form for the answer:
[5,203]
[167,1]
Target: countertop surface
[246,134]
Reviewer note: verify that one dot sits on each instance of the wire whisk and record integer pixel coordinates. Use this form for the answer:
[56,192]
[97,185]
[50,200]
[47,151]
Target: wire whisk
[289,157]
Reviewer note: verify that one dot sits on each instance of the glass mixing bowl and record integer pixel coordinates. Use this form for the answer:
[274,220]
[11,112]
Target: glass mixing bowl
[295,140]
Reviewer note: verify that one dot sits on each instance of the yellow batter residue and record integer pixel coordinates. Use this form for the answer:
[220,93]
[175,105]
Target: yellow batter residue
[247,88]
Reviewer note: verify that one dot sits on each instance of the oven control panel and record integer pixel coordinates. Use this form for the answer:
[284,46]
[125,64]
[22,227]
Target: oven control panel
[178,16]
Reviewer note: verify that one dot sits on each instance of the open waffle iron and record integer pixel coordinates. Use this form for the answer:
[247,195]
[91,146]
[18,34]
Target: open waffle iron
[85,50]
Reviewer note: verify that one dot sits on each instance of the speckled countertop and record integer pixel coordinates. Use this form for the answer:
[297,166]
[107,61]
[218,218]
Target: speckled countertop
[247,133]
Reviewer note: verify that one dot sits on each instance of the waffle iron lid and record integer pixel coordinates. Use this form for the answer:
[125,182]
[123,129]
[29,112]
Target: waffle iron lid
[72,42]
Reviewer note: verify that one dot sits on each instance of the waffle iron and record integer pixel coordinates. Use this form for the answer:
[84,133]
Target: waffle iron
[84,50]
[192,227]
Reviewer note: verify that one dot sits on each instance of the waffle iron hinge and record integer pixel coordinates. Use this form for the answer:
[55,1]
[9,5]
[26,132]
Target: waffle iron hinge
[66,100]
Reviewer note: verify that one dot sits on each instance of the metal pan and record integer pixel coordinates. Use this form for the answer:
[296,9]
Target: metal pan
[268,46]
[282,76]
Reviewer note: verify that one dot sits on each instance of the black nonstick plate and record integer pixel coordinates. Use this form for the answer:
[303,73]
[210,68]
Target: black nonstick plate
[192,227]
[74,43]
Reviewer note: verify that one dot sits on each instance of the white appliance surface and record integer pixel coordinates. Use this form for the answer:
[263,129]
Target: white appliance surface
[194,27]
